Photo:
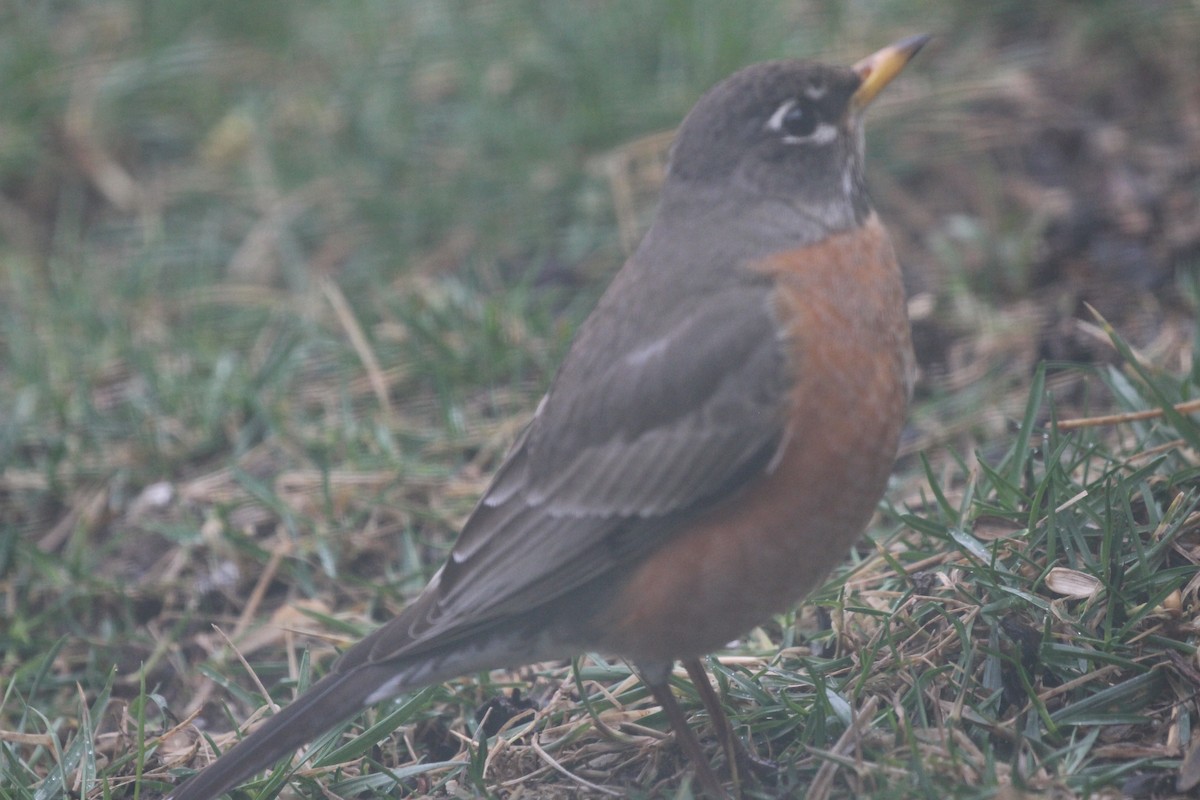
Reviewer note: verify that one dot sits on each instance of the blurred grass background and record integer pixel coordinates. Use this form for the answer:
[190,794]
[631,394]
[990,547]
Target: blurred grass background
[280,282]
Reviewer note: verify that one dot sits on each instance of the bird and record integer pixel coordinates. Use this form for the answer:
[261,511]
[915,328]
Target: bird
[717,436]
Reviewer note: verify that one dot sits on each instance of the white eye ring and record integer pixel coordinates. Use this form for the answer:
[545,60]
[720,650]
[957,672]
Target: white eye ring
[775,123]
[822,134]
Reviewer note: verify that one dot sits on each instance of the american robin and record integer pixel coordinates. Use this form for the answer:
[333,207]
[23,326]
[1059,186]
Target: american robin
[716,438]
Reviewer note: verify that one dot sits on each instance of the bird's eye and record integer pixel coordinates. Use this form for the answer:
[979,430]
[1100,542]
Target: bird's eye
[798,121]
[794,119]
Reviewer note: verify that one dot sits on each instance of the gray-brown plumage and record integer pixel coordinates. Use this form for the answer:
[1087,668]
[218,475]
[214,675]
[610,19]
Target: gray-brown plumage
[691,468]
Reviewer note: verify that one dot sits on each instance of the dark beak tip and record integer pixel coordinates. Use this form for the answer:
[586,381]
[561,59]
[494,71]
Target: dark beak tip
[913,44]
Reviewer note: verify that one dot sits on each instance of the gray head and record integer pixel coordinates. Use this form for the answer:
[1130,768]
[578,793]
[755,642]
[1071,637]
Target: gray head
[785,132]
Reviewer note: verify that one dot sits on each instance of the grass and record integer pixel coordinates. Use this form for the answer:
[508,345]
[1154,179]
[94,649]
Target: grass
[277,289]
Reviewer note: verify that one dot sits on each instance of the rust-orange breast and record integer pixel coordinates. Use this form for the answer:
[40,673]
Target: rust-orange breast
[841,311]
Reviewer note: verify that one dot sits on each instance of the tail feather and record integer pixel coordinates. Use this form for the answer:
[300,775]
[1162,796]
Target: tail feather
[371,671]
[334,698]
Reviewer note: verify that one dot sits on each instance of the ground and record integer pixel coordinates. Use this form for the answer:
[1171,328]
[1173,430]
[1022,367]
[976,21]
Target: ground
[280,286]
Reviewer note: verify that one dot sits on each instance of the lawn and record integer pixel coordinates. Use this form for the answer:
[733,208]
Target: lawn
[279,285]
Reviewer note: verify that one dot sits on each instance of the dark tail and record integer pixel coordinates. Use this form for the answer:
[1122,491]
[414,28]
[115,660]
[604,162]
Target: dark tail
[336,697]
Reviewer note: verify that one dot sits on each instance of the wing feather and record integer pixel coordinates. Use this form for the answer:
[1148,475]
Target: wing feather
[637,434]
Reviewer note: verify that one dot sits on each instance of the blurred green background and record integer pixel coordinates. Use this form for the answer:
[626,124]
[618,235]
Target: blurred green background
[296,272]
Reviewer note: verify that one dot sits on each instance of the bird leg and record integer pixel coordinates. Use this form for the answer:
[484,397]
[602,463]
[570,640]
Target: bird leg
[661,689]
[737,753]
[716,714]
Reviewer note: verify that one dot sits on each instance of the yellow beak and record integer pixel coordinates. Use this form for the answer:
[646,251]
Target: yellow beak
[878,69]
